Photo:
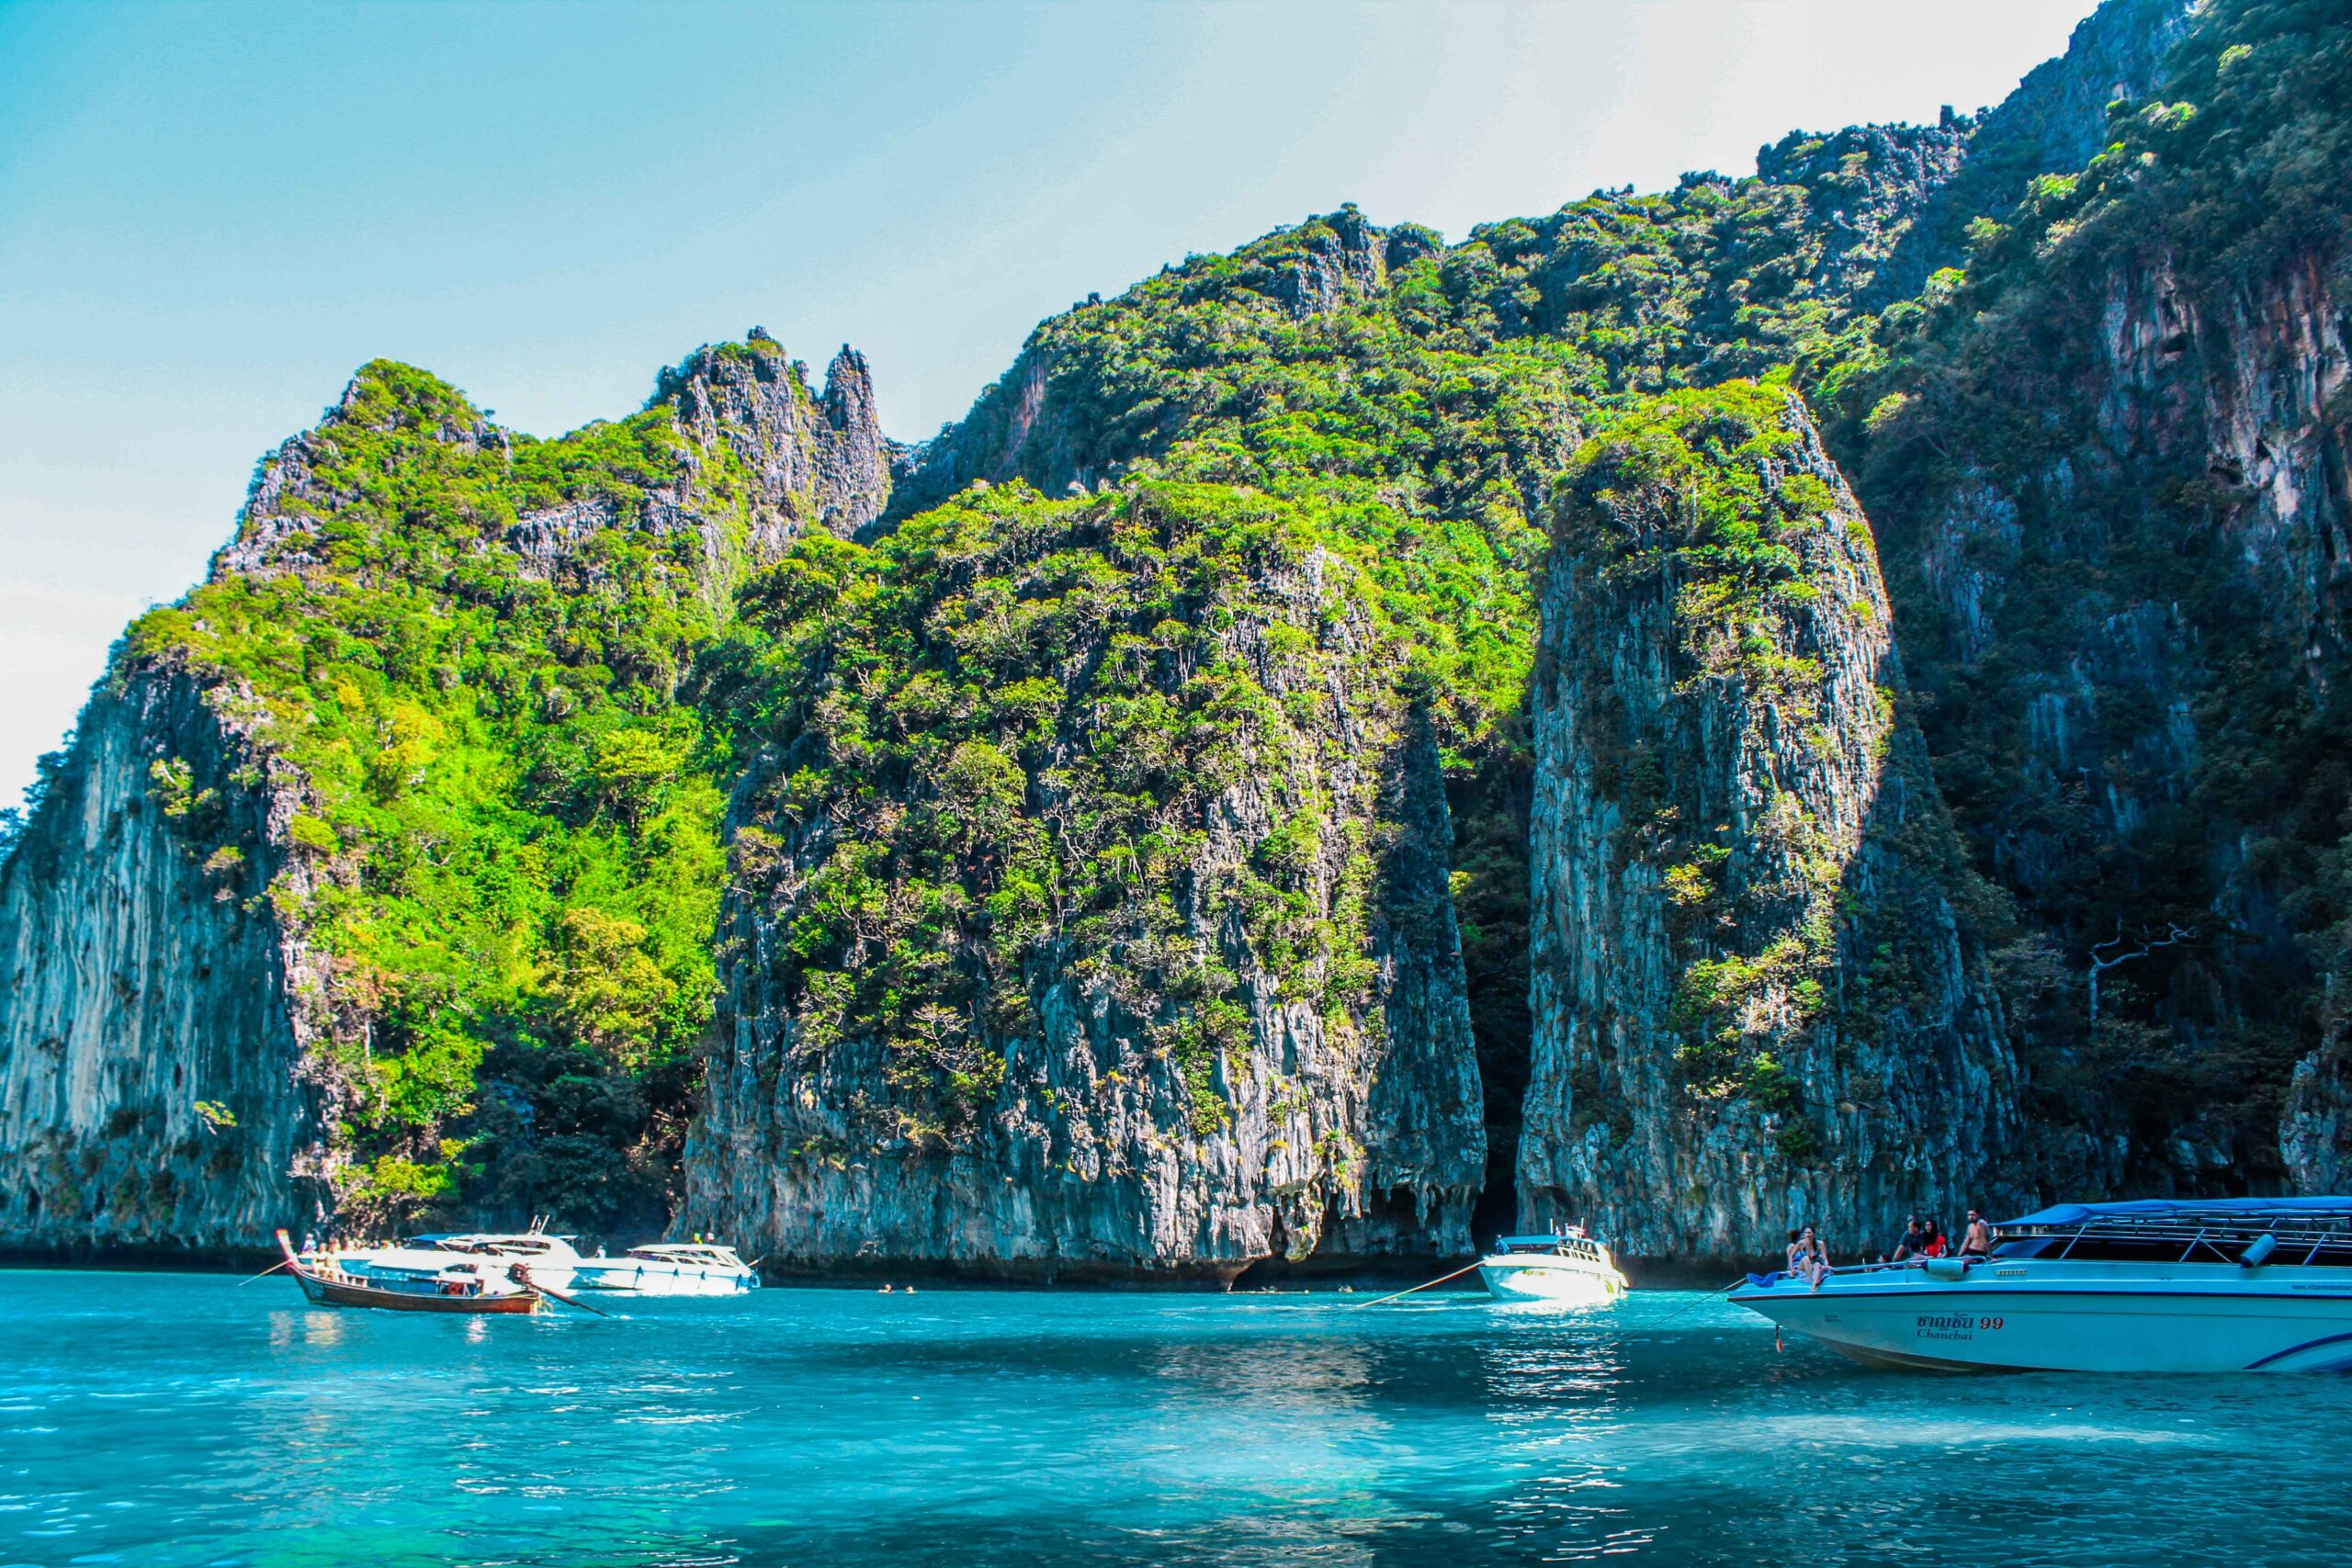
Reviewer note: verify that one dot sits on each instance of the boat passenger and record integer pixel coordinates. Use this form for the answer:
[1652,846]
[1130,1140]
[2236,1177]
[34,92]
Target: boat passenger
[1914,1240]
[1978,1240]
[1793,1260]
[1937,1246]
[1814,1257]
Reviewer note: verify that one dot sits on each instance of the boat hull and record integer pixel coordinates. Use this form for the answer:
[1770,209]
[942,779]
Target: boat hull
[2221,1323]
[327,1286]
[330,1293]
[1539,1279]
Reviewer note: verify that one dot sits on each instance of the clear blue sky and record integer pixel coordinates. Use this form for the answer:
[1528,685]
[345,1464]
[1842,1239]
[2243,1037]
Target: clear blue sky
[211,213]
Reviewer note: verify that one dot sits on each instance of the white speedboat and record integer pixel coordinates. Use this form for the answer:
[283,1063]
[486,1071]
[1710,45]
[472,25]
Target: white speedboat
[550,1261]
[2250,1285]
[673,1269]
[1569,1266]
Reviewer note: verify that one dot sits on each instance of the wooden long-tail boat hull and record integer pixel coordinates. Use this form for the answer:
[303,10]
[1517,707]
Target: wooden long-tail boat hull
[336,1289]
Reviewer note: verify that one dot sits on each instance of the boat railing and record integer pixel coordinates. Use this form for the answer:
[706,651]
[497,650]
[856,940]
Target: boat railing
[2295,1237]
[2221,1244]
[1835,1269]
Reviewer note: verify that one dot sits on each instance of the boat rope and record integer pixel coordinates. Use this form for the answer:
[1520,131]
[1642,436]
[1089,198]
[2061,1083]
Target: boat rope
[1424,1285]
[1701,1301]
[265,1273]
[555,1295]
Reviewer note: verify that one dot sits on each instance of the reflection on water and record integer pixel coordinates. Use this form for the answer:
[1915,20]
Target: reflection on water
[154,1419]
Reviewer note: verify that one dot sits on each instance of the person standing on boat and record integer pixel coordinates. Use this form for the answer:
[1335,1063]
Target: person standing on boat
[1977,1241]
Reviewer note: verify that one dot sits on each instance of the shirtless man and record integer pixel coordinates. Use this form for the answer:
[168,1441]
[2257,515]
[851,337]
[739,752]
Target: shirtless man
[1978,1240]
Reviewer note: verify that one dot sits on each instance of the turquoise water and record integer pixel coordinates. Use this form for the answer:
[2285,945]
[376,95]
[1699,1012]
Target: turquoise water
[149,1419]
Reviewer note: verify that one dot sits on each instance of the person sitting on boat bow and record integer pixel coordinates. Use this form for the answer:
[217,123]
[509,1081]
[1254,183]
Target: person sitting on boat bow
[1977,1241]
[1812,1257]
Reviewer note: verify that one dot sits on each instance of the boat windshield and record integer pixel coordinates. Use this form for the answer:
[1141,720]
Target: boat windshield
[722,1255]
[1557,1246]
[507,1246]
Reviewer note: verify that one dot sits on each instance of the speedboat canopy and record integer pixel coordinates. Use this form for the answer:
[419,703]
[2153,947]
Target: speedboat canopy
[2191,1211]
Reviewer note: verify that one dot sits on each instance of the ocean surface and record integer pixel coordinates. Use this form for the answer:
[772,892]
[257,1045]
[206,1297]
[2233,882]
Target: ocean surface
[186,1419]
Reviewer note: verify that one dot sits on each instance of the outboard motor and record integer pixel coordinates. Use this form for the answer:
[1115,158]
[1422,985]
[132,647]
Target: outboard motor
[2258,1251]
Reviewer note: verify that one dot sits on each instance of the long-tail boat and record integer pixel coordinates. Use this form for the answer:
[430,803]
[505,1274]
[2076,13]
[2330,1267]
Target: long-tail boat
[465,1285]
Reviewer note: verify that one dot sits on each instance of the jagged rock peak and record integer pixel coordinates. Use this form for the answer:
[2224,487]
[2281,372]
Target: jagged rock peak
[2057,114]
[1337,256]
[814,460]
[286,497]
[1041,421]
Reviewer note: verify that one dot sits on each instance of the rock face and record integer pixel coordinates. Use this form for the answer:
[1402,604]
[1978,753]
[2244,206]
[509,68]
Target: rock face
[175,1038]
[1754,1006]
[1249,1043]
[2109,491]
[2315,1133]
[2140,608]
[823,463]
[2053,123]
[156,1091]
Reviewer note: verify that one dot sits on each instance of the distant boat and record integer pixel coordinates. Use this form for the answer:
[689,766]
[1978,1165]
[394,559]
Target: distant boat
[552,1258]
[672,1269]
[1569,1267]
[2249,1284]
[462,1285]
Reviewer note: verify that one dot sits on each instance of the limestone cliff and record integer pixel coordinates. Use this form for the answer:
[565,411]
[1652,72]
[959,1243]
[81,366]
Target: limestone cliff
[2053,123]
[157,1090]
[1112,811]
[1154,974]
[1753,1005]
[2107,473]
[228,926]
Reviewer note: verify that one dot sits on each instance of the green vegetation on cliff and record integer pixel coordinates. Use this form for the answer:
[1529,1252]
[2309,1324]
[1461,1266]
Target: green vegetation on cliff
[1278,514]
[510,823]
[1013,714]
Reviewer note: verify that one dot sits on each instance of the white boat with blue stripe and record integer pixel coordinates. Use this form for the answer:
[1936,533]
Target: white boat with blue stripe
[2247,1284]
